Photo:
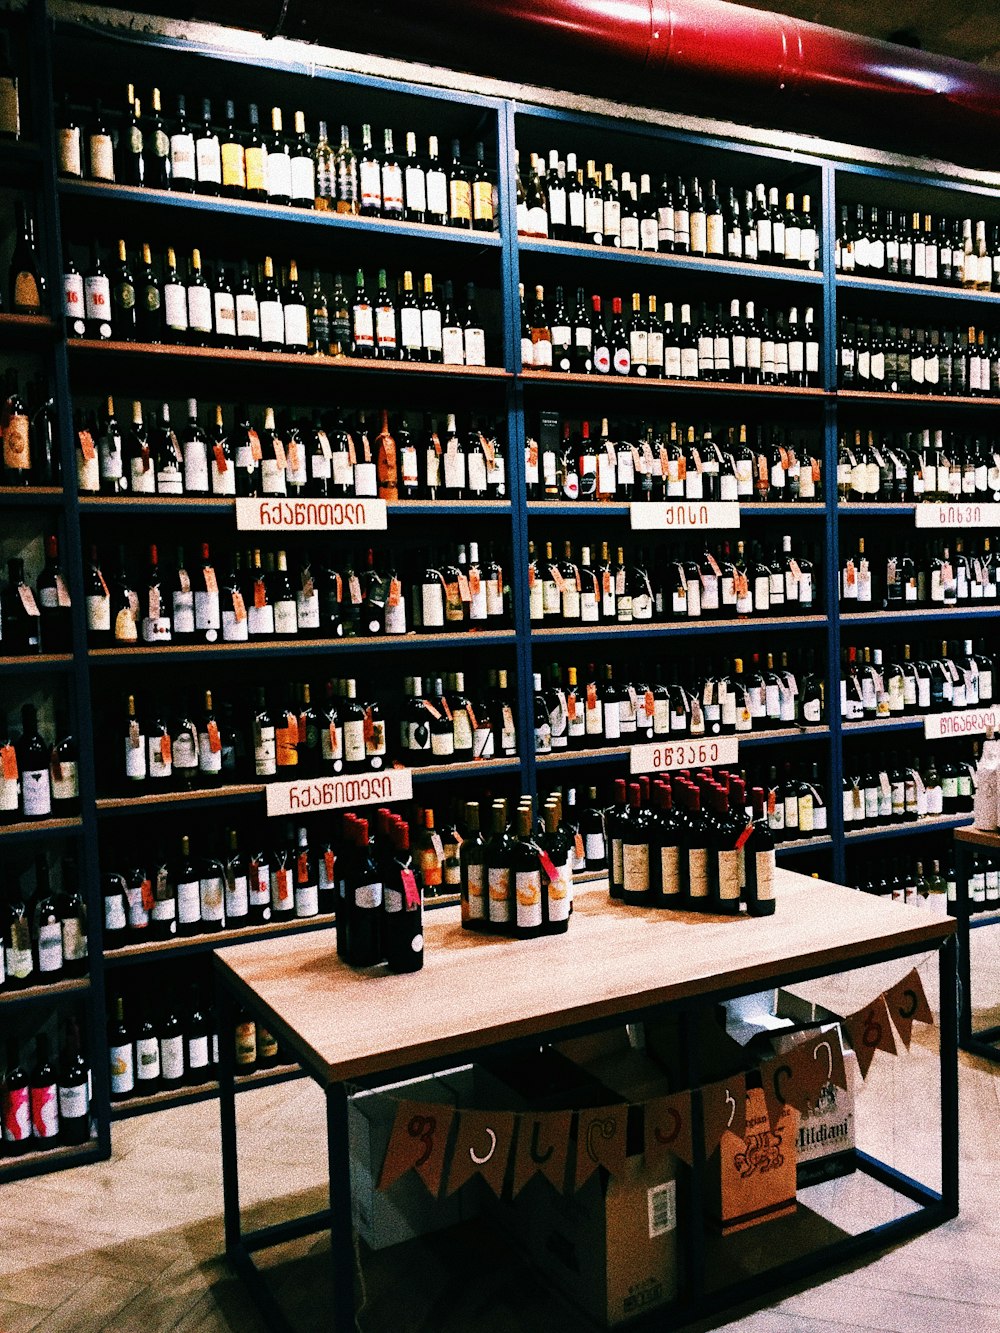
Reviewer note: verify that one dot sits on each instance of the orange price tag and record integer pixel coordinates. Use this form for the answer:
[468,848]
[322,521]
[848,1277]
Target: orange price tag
[532,448]
[214,739]
[239,607]
[293,454]
[28,600]
[463,588]
[650,705]
[8,760]
[571,706]
[166,749]
[354,588]
[284,889]
[221,461]
[256,451]
[334,742]
[87,445]
[302,868]
[369,725]
[328,864]
[431,709]
[475,582]
[148,901]
[591,695]
[211,582]
[279,451]
[259,594]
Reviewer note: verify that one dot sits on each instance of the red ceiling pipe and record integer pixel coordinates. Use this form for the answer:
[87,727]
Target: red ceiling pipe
[697,55]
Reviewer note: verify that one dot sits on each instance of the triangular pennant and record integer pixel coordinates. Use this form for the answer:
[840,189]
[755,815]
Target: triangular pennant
[870,1031]
[482,1147]
[776,1078]
[600,1140]
[725,1108]
[542,1146]
[668,1128]
[907,1004]
[418,1141]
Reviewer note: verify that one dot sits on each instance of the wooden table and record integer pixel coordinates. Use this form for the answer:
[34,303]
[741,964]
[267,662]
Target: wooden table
[968,841]
[615,965]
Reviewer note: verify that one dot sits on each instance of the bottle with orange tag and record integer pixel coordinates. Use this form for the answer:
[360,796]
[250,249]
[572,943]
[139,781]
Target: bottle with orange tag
[402,922]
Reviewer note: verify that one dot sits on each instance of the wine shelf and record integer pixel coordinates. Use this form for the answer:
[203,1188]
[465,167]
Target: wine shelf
[932,401]
[726,268]
[890,287]
[130,954]
[26,330]
[674,628]
[52,1159]
[239,793]
[53,991]
[797,846]
[926,615]
[213,504]
[847,510]
[229,210]
[598,509]
[41,497]
[567,377]
[911,827]
[202,1092]
[36,662]
[609,754]
[875,726]
[26,829]
[338,365]
[299,647]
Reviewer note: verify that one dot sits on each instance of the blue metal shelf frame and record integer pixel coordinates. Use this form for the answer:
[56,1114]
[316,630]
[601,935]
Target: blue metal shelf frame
[502,121]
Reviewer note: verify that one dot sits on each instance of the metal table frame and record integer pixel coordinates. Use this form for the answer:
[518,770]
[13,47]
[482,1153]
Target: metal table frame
[932,1209]
[984,1042]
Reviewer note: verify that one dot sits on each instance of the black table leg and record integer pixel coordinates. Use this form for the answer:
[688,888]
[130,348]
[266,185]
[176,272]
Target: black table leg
[341,1225]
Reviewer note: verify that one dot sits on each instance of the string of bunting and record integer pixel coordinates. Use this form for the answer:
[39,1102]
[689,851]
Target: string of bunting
[540,1141]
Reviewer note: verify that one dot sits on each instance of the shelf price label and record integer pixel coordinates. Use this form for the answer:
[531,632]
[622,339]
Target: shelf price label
[957,514]
[663,756]
[685,515]
[271,514]
[352,789]
[969,722]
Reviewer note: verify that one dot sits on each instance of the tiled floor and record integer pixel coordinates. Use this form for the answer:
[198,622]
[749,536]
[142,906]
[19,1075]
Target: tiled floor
[131,1246]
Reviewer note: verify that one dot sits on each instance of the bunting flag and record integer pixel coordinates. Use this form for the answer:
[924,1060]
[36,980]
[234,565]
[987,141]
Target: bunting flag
[870,1030]
[418,1142]
[907,1004]
[542,1146]
[798,1076]
[668,1128]
[725,1107]
[482,1147]
[601,1133]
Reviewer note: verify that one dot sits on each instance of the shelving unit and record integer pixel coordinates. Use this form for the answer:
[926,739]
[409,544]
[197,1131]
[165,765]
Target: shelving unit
[510,390]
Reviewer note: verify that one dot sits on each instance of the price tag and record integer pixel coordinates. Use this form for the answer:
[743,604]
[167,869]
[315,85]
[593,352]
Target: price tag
[270,515]
[8,763]
[958,515]
[342,793]
[87,445]
[968,722]
[683,516]
[667,756]
[411,891]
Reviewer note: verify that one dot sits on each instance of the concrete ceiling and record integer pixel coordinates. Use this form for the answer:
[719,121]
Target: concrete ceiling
[968,31]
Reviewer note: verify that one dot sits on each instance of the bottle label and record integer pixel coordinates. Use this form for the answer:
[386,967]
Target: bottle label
[102,157]
[175,306]
[114,913]
[416,191]
[122,1069]
[368,896]
[256,165]
[74,1102]
[279,176]
[453,346]
[17,1115]
[303,179]
[371,185]
[209,160]
[36,793]
[635,866]
[698,870]
[529,899]
[499,888]
[272,322]
[50,947]
[188,902]
[729,875]
[296,326]
[182,156]
[247,317]
[70,163]
[233,165]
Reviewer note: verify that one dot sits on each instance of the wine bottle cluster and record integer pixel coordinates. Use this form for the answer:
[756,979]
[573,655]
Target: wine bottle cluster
[29,453]
[905,880]
[257,599]
[623,462]
[930,678]
[209,157]
[919,247]
[582,709]
[169,1045]
[941,574]
[44,1102]
[880,356]
[677,217]
[39,619]
[882,789]
[254,311]
[983,886]
[722,347]
[44,938]
[38,780]
[286,454]
[712,584]
[913,466]
[287,736]
[689,844]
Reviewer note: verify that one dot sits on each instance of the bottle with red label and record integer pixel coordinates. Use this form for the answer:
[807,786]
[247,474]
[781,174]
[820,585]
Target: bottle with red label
[15,1105]
[402,922]
[44,1095]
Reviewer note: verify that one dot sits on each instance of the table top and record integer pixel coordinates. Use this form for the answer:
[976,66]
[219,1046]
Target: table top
[477,990]
[978,837]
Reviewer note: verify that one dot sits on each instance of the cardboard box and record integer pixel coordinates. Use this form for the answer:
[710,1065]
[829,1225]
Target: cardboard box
[826,1139]
[406,1209]
[611,1246]
[753,1179]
